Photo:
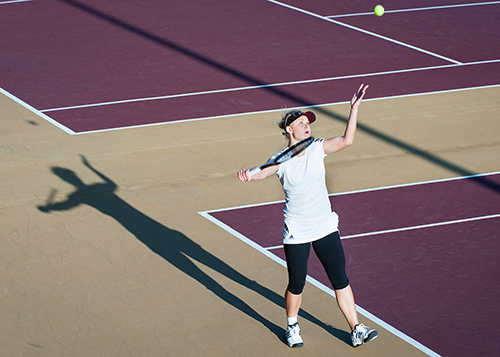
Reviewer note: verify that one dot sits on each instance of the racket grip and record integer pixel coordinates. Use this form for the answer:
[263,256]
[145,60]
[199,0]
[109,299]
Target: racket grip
[254,171]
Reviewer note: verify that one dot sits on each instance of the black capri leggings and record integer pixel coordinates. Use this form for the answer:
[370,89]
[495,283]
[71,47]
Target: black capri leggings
[331,255]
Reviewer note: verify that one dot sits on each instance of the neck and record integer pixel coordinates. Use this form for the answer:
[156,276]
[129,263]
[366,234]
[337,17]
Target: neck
[292,142]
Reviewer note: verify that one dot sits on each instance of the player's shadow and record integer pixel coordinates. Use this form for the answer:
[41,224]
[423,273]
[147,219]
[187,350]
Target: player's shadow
[172,245]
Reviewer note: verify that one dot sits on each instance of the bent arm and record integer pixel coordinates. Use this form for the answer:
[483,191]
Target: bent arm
[59,206]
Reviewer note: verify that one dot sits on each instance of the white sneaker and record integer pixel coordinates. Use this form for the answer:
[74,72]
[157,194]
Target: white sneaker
[361,335]
[293,336]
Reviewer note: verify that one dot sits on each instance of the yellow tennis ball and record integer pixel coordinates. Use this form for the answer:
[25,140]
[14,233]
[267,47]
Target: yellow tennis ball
[379,10]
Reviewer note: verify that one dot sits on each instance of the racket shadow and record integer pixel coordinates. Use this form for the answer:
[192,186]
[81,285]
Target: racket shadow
[172,245]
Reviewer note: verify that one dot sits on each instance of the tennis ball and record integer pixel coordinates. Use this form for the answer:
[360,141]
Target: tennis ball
[379,10]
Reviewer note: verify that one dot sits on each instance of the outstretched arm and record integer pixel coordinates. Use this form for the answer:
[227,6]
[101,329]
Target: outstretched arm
[341,142]
[244,175]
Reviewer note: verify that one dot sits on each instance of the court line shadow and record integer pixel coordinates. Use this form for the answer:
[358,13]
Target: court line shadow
[275,90]
[173,246]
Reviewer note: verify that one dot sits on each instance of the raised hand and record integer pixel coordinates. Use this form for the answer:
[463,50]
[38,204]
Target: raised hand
[358,96]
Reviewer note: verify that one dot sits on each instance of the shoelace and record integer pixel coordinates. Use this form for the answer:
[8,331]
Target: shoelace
[292,331]
[360,332]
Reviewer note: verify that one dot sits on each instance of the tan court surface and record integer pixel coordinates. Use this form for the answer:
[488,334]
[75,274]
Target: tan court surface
[78,282]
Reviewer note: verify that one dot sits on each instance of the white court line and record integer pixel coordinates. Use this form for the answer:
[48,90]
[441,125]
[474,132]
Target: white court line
[37,112]
[323,287]
[365,31]
[364,190]
[430,225]
[416,183]
[13,1]
[418,9]
[282,84]
[279,110]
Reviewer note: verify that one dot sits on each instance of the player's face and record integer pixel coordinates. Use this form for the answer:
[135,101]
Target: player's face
[300,129]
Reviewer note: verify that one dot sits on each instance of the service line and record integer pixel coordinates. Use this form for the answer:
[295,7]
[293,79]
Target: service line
[282,84]
[366,32]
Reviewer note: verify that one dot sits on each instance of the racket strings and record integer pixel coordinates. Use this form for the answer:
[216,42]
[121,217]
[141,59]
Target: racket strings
[298,149]
[295,150]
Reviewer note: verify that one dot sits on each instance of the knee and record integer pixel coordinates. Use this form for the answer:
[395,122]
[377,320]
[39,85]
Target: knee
[296,288]
[340,284]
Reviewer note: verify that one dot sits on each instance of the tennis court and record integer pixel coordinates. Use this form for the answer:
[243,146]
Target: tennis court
[411,240]
[124,124]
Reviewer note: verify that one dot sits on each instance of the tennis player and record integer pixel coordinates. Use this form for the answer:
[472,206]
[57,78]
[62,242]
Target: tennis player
[309,219]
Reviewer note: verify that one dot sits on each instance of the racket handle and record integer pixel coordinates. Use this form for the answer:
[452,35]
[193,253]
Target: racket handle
[254,171]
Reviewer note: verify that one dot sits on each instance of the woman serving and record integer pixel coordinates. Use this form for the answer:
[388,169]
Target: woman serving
[309,219]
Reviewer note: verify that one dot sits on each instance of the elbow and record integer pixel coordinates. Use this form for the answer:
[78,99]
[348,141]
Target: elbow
[348,142]
[348,139]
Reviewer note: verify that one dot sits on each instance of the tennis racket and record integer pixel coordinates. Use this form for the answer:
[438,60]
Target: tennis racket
[285,155]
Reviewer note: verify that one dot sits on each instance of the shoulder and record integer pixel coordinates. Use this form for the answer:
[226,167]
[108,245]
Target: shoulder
[317,145]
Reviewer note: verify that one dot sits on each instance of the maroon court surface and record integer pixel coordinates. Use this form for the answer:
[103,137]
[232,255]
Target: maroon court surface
[102,64]
[439,283]
[93,65]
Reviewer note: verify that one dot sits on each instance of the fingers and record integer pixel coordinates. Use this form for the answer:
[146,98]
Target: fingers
[359,95]
[244,175]
[362,91]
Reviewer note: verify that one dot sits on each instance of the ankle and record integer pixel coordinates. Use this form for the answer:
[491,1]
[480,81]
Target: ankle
[291,320]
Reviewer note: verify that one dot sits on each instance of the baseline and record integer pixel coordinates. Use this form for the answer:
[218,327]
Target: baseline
[418,9]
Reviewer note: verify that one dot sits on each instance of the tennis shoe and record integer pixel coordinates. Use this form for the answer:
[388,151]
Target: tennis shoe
[362,334]
[293,336]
